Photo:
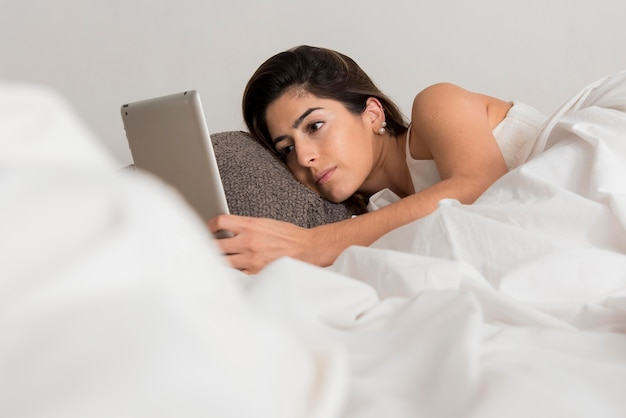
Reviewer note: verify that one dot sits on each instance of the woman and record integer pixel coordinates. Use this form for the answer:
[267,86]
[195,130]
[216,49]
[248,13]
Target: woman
[340,135]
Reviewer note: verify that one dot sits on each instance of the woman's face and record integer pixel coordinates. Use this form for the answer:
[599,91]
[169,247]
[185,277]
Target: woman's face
[326,147]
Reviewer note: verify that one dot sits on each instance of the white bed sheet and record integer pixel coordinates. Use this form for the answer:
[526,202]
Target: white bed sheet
[114,301]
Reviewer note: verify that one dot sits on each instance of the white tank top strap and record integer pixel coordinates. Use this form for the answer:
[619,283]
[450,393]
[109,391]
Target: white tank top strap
[424,173]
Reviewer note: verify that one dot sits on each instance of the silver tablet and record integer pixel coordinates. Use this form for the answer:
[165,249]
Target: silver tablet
[168,137]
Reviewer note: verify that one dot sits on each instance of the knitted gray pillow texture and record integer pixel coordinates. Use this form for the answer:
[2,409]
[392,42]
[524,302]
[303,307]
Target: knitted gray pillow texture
[258,184]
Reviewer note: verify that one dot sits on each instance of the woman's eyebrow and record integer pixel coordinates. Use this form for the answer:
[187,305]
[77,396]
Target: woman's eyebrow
[278,139]
[296,123]
[303,116]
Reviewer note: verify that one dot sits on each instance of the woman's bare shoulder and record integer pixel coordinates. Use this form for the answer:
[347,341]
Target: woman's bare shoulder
[437,97]
[445,115]
[441,94]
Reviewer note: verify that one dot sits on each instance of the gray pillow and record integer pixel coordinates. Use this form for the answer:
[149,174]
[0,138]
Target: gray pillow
[258,184]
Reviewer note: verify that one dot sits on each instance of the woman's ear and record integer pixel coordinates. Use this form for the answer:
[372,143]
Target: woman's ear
[374,113]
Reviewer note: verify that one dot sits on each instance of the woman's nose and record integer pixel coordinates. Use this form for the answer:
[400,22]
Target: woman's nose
[306,153]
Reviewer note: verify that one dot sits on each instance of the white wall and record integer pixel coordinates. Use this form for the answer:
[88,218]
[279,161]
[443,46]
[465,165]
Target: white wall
[100,55]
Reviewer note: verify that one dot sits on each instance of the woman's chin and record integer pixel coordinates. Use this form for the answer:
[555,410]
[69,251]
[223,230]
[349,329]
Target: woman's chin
[337,197]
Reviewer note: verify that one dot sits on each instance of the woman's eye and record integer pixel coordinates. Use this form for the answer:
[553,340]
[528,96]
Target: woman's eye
[285,151]
[314,126]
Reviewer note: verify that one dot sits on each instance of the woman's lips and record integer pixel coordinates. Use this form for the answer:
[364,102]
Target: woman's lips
[324,176]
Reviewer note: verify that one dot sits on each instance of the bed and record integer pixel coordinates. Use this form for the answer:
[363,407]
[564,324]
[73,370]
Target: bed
[115,300]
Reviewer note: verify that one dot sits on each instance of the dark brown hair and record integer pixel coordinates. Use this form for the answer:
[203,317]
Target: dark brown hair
[321,72]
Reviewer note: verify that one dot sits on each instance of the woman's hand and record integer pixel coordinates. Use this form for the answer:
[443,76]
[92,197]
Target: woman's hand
[256,242]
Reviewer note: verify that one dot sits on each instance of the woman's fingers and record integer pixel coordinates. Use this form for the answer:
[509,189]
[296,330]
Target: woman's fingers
[255,242]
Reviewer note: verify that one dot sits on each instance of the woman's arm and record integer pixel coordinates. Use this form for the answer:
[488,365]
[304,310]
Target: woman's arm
[450,125]
[259,241]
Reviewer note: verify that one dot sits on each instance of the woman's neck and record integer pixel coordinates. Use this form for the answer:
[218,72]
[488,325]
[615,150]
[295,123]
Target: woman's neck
[390,170]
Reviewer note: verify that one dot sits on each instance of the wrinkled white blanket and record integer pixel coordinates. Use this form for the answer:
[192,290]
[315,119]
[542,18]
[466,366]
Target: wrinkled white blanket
[114,301]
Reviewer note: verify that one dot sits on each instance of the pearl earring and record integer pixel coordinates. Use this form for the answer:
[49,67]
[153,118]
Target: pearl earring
[381,130]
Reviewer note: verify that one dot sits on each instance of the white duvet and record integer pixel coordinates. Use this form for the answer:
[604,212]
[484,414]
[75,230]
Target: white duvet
[513,306]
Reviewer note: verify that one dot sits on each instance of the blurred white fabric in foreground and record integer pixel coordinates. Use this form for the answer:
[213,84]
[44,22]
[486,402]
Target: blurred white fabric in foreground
[113,299]
[37,126]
